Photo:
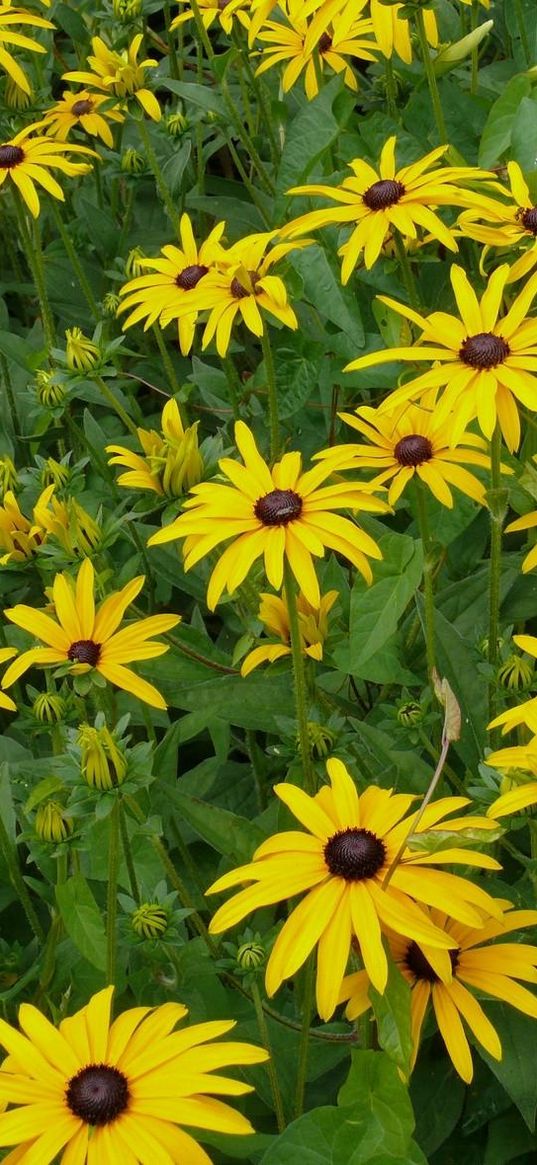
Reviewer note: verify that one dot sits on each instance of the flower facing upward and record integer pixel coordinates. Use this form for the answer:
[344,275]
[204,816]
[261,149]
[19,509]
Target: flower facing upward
[81,109]
[343,862]
[411,441]
[243,287]
[313,626]
[521,761]
[379,203]
[492,968]
[119,74]
[117,1092]
[507,224]
[28,160]
[283,514]
[172,462]
[299,42]
[486,363]
[165,293]
[392,30]
[225,11]
[87,638]
[9,17]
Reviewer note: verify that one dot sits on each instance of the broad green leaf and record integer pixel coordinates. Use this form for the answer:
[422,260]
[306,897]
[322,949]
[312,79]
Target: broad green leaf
[392,1013]
[437,1096]
[204,96]
[508,1139]
[496,136]
[322,286]
[82,919]
[233,836]
[311,132]
[524,134]
[516,1069]
[458,660]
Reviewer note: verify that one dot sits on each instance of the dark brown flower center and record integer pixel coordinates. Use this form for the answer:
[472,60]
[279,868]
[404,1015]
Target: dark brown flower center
[278,508]
[413,450]
[529,219]
[190,276]
[325,43]
[10,156]
[484,350]
[384,193]
[420,967]
[85,651]
[79,108]
[237,289]
[354,854]
[98,1094]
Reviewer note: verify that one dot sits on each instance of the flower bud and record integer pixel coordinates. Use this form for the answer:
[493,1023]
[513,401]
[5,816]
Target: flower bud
[132,162]
[133,267]
[110,304]
[14,96]
[8,475]
[250,955]
[321,739]
[127,9]
[49,708]
[54,473]
[453,53]
[52,823]
[150,920]
[49,392]
[176,124]
[516,673]
[81,353]
[104,765]
[410,713]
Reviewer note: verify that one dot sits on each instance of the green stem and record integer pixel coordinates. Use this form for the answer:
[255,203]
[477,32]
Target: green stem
[522,32]
[75,262]
[174,66]
[245,138]
[111,899]
[111,399]
[307,1008]
[127,853]
[406,270]
[431,77]
[271,1070]
[244,176]
[299,674]
[497,513]
[274,420]
[18,883]
[166,359]
[160,180]
[34,257]
[428,566]
[474,17]
[8,386]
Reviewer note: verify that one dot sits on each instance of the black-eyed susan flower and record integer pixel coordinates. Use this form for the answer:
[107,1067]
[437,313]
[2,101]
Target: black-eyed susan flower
[521,763]
[9,38]
[473,961]
[67,523]
[164,294]
[9,478]
[523,713]
[102,761]
[412,441]
[243,287]
[343,862]
[392,29]
[506,224]
[5,701]
[28,160]
[312,622]
[117,1092]
[119,74]
[308,46]
[210,10]
[171,463]
[82,109]
[485,361]
[20,537]
[87,638]
[377,203]
[283,514]
[52,823]
[260,10]
[81,353]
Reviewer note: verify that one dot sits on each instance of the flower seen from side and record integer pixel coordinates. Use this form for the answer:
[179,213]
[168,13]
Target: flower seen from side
[84,637]
[67,523]
[28,160]
[484,361]
[117,1091]
[520,762]
[80,352]
[82,109]
[210,10]
[507,224]
[20,537]
[10,38]
[313,626]
[343,863]
[103,763]
[119,74]
[171,462]
[307,46]
[475,962]
[281,514]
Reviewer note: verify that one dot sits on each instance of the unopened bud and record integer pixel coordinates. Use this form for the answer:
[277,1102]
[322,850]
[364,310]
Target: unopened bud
[321,739]
[150,920]
[104,765]
[110,304]
[176,124]
[132,162]
[250,956]
[516,673]
[133,267]
[52,823]
[49,708]
[410,713]
[81,353]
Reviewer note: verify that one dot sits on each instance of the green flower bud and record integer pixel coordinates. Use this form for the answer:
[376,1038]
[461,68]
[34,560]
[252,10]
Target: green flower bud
[54,473]
[81,353]
[321,739]
[51,822]
[104,765]
[410,713]
[111,303]
[8,475]
[176,124]
[250,955]
[50,394]
[133,267]
[49,708]
[150,920]
[127,9]
[132,162]
[14,96]
[516,673]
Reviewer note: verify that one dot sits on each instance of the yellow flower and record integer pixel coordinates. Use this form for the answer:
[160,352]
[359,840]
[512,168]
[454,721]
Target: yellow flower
[8,37]
[86,638]
[150,920]
[392,30]
[117,1092]
[67,522]
[81,109]
[171,463]
[52,824]
[523,713]
[320,41]
[20,537]
[119,74]
[519,761]
[492,969]
[412,441]
[313,625]
[486,363]
[516,673]
[506,224]
[5,701]
[163,296]
[8,474]
[282,514]
[211,10]
[244,287]
[28,160]
[81,353]
[378,203]
[343,862]
[260,10]
[48,707]
[103,764]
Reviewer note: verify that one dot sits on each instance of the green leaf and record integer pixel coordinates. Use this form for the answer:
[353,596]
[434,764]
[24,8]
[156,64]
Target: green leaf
[233,836]
[297,380]
[458,660]
[322,286]
[175,166]
[496,137]
[437,1095]
[82,919]
[201,95]
[516,1069]
[524,134]
[311,132]
[508,1139]
[392,1013]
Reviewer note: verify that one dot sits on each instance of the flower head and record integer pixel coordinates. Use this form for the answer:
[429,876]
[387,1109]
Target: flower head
[49,708]
[506,224]
[171,463]
[485,361]
[81,353]
[82,109]
[68,523]
[117,1091]
[20,537]
[86,638]
[52,823]
[313,626]
[343,862]
[331,39]
[119,74]
[9,17]
[282,513]
[28,160]
[103,762]
[150,920]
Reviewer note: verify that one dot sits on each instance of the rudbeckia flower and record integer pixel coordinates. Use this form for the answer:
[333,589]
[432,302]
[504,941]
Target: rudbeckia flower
[243,287]
[119,74]
[28,160]
[486,362]
[172,462]
[411,441]
[506,224]
[81,109]
[392,30]
[343,862]
[68,523]
[20,537]
[378,203]
[260,10]
[166,295]
[492,968]
[211,10]
[283,514]
[8,18]
[87,638]
[298,42]
[117,1092]
[522,713]
[313,626]
[520,760]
